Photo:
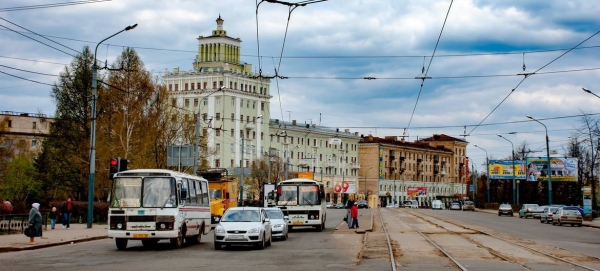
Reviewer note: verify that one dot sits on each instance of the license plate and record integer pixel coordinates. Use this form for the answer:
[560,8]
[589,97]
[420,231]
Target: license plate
[140,236]
[297,223]
[237,237]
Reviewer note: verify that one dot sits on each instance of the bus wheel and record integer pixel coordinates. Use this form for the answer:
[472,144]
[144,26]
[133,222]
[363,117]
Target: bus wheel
[121,243]
[177,242]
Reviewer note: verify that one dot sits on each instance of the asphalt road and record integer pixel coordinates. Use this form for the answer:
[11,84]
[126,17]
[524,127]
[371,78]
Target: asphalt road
[584,240]
[305,249]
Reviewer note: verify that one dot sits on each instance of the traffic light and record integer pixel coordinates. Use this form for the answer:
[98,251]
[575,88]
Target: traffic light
[114,168]
[123,164]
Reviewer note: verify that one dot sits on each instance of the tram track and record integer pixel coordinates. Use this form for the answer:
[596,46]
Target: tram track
[480,245]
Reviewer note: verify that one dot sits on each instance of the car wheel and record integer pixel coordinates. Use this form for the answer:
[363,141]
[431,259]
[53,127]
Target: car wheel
[217,245]
[579,225]
[261,244]
[559,223]
[285,237]
[499,214]
[121,243]
[270,240]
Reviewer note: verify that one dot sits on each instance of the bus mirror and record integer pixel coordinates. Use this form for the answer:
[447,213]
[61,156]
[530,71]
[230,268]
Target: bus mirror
[226,195]
[183,194]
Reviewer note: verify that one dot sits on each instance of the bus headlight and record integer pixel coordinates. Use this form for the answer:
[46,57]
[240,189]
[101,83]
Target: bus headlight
[163,226]
[119,226]
[312,217]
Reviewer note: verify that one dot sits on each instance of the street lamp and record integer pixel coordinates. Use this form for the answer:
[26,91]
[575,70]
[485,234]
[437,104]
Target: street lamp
[514,185]
[90,209]
[487,172]
[242,162]
[549,164]
[588,91]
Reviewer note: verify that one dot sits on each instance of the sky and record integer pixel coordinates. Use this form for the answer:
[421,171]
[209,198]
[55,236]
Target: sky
[470,51]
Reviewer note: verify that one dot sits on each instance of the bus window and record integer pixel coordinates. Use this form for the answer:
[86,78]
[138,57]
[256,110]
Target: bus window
[158,192]
[205,193]
[289,195]
[185,195]
[309,195]
[199,197]
[192,189]
[127,192]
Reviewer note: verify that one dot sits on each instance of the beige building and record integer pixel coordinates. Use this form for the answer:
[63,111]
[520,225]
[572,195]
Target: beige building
[23,132]
[394,170]
[330,154]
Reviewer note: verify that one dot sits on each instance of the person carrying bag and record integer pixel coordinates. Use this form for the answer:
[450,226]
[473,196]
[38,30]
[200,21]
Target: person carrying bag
[35,223]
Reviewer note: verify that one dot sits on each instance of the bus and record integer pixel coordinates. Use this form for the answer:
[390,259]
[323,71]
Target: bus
[154,204]
[222,191]
[303,202]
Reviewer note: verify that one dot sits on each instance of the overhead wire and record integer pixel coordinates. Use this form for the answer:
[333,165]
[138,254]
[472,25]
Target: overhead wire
[38,35]
[428,66]
[52,5]
[26,79]
[527,75]
[38,41]
[40,73]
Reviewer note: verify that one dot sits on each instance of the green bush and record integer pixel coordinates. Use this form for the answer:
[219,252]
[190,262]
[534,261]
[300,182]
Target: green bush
[79,211]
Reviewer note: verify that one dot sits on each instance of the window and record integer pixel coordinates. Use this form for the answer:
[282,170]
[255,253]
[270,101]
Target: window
[262,136]
[232,149]
[218,132]
[176,87]
[205,85]
[242,87]
[241,118]
[231,163]
[170,87]
[196,102]
[204,115]
[187,102]
[241,102]
[218,116]
[220,83]
[254,105]
[292,140]
[247,103]
[232,101]
[218,147]
[204,132]
[214,85]
[198,85]
[205,101]
[217,163]
[34,143]
[230,84]
[262,106]
[247,118]
[34,125]
[173,103]
[232,134]
[218,100]
[235,85]
[185,86]
[232,117]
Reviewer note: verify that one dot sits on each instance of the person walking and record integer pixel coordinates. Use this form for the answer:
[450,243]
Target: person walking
[354,215]
[53,215]
[35,221]
[67,211]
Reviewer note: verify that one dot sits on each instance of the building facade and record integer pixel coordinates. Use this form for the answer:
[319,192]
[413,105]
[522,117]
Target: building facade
[23,132]
[231,100]
[394,170]
[329,154]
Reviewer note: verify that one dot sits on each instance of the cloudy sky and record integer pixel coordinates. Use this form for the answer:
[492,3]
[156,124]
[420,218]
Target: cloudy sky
[332,46]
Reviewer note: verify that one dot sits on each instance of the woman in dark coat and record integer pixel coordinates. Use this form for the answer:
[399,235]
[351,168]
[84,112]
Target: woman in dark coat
[35,220]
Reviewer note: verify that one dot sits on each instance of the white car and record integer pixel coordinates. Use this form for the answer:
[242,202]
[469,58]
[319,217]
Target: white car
[244,226]
[279,228]
[411,204]
[437,205]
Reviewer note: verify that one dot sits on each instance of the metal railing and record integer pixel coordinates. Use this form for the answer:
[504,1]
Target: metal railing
[16,223]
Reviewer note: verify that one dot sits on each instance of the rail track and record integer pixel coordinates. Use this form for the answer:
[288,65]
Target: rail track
[456,261]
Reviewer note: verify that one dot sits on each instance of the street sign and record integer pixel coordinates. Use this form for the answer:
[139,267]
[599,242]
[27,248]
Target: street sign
[335,141]
[471,188]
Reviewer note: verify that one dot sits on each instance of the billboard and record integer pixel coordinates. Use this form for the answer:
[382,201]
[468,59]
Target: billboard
[344,187]
[301,174]
[562,169]
[503,169]
[416,191]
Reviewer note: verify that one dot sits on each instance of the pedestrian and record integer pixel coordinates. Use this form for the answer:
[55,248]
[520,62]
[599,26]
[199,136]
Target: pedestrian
[8,206]
[53,215]
[67,211]
[35,221]
[354,215]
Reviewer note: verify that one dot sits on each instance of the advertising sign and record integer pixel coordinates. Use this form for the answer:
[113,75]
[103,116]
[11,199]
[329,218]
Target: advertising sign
[416,191]
[562,169]
[587,199]
[381,162]
[344,187]
[302,174]
[269,195]
[502,169]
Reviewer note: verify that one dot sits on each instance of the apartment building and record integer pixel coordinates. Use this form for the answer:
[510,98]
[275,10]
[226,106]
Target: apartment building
[393,170]
[22,132]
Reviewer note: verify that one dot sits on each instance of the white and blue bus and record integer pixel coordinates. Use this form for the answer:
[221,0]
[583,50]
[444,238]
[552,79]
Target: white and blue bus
[154,204]
[303,202]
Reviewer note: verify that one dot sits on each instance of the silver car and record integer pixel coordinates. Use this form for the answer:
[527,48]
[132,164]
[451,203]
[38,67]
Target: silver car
[279,226]
[243,226]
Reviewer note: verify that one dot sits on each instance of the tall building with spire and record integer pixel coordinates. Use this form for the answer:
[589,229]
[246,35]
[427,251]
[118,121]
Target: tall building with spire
[229,98]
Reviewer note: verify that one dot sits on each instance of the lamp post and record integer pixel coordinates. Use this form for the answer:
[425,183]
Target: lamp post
[518,182]
[549,164]
[243,164]
[514,185]
[588,91]
[487,172]
[90,209]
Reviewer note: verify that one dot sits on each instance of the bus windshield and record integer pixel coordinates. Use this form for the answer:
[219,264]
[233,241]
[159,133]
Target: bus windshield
[299,195]
[216,194]
[146,192]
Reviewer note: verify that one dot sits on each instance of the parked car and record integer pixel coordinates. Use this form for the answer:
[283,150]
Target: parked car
[339,206]
[437,204]
[455,205]
[468,206]
[328,205]
[279,228]
[363,204]
[567,215]
[547,213]
[243,226]
[410,204]
[505,209]
[532,210]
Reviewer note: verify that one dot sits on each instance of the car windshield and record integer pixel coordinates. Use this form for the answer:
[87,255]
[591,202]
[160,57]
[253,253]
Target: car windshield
[216,194]
[505,206]
[468,203]
[552,210]
[241,216]
[274,214]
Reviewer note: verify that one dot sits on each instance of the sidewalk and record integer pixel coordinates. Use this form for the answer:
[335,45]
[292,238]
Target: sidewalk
[592,224]
[365,223]
[59,236]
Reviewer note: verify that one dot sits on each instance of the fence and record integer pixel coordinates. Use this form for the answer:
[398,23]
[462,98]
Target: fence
[11,224]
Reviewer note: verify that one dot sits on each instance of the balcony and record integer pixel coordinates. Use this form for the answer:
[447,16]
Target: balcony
[304,162]
[392,157]
[419,160]
[329,164]
[354,165]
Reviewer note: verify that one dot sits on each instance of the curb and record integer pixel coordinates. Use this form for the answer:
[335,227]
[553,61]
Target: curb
[14,249]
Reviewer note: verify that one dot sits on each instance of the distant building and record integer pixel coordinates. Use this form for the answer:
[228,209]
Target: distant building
[329,154]
[396,170]
[22,132]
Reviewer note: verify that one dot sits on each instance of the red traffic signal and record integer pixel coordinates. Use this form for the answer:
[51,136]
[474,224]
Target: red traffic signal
[114,168]
[113,162]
